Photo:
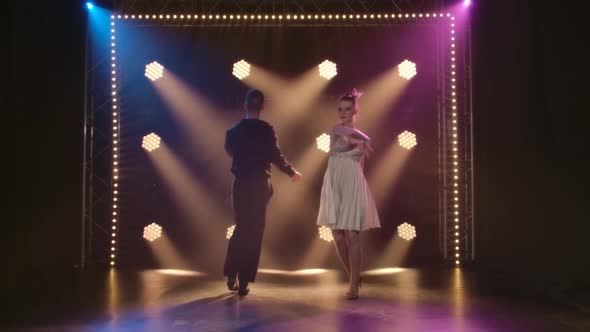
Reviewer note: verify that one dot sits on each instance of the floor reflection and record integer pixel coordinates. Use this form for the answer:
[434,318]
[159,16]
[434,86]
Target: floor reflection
[392,299]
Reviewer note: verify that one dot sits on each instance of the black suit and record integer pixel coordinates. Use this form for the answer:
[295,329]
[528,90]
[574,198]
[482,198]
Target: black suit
[253,145]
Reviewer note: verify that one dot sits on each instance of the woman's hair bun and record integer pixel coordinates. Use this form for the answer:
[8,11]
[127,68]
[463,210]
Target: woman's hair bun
[353,94]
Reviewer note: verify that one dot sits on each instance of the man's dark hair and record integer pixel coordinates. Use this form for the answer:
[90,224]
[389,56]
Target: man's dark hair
[254,100]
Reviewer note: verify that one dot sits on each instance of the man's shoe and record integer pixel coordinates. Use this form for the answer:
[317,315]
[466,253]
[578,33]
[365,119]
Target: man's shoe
[243,289]
[232,284]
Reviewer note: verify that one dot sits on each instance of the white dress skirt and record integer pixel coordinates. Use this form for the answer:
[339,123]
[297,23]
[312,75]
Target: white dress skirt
[346,201]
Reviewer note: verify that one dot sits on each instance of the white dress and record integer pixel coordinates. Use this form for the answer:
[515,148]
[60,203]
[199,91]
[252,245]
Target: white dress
[346,201]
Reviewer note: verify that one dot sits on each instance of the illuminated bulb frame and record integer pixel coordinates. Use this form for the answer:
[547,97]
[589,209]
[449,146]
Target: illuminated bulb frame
[454,210]
[116,133]
[285,17]
[456,217]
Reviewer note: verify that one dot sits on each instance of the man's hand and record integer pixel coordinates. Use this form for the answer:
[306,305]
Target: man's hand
[296,177]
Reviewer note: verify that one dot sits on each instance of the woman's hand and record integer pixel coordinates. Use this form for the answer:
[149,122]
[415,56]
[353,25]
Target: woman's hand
[364,146]
[368,149]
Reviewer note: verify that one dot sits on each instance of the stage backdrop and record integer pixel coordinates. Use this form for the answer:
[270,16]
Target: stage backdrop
[185,185]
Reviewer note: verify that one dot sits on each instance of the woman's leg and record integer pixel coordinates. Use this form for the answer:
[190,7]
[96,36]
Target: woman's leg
[342,249]
[354,253]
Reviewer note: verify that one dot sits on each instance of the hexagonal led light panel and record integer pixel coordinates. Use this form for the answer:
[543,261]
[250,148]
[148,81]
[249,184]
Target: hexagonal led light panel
[241,69]
[154,71]
[323,142]
[325,234]
[327,69]
[152,232]
[406,231]
[407,139]
[230,232]
[151,142]
[407,69]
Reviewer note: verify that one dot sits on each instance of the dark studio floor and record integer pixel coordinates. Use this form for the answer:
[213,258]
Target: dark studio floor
[436,300]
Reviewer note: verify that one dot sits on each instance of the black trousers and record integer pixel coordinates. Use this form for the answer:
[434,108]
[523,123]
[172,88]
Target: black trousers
[250,199]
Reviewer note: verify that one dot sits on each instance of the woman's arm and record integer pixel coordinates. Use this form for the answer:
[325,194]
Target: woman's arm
[360,135]
[355,137]
[351,132]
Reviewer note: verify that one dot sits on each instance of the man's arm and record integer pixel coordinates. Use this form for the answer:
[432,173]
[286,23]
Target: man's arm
[276,156]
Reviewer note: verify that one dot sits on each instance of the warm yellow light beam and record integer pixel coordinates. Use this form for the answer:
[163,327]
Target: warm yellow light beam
[200,121]
[310,165]
[407,284]
[166,254]
[383,178]
[459,293]
[266,81]
[317,253]
[383,271]
[379,98]
[288,101]
[294,199]
[395,252]
[190,195]
[199,209]
[304,272]
[293,104]
[114,293]
[180,272]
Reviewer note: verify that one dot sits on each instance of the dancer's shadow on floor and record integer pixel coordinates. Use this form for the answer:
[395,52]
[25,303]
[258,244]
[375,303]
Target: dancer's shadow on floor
[235,312]
[227,298]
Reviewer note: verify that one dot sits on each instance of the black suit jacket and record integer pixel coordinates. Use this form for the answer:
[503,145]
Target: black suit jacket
[253,145]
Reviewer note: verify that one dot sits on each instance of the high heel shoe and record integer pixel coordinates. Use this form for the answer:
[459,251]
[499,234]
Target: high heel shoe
[352,296]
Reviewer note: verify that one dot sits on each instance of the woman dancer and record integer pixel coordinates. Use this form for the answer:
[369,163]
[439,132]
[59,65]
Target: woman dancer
[346,204]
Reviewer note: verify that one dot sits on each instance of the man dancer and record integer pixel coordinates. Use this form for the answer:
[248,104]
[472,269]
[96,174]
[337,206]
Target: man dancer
[252,144]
